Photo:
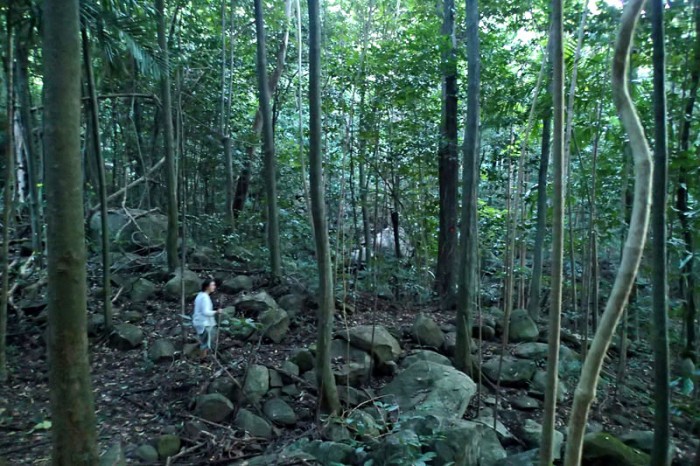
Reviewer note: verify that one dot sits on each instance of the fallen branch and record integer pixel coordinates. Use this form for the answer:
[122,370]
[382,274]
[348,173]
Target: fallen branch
[121,191]
[184,452]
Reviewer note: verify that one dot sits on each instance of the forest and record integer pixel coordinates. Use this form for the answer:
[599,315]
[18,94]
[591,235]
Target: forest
[349,232]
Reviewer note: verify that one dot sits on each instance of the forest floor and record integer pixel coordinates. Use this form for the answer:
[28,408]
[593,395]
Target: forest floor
[137,400]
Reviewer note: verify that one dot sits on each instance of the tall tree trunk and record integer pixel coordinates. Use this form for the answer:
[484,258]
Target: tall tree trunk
[8,195]
[169,144]
[469,260]
[102,181]
[585,391]
[228,160]
[448,163]
[270,163]
[328,399]
[536,282]
[558,159]
[300,96]
[72,406]
[662,418]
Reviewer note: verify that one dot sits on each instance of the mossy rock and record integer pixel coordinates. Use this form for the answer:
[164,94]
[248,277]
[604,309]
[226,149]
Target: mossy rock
[603,449]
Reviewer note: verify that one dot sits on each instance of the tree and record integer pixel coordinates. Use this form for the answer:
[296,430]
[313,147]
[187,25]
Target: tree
[326,380]
[72,407]
[448,163]
[662,417]
[269,160]
[468,267]
[169,142]
[632,254]
[558,160]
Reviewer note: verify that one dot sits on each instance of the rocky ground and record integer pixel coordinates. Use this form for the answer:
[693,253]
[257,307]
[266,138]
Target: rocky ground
[254,403]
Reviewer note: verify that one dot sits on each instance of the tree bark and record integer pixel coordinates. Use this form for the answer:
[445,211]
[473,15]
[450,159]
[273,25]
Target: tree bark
[169,145]
[328,399]
[662,418]
[270,163]
[448,163]
[72,406]
[585,391]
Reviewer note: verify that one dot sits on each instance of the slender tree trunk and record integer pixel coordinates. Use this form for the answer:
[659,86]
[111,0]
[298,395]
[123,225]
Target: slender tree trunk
[270,163]
[536,282]
[72,407]
[328,399]
[585,391]
[558,159]
[662,418]
[228,160]
[102,181]
[300,96]
[469,258]
[448,163]
[8,195]
[167,120]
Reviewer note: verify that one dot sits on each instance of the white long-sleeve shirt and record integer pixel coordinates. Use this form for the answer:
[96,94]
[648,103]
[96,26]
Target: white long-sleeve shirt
[203,312]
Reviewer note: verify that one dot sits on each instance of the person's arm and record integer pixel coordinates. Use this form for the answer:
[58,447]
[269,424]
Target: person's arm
[209,307]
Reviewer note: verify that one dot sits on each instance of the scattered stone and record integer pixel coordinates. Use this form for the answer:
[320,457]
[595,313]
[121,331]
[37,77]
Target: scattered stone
[397,447]
[504,435]
[237,284]
[531,350]
[114,456]
[538,386]
[257,383]
[525,403]
[449,346]
[375,339]
[292,303]
[192,285]
[304,360]
[275,379]
[350,365]
[487,332]
[449,327]
[310,377]
[168,445]
[213,407]
[147,453]
[142,290]
[426,332]
[289,367]
[161,349]
[252,305]
[132,317]
[126,337]
[351,396]
[202,255]
[326,452]
[643,440]
[429,387]
[424,355]
[279,412]
[224,386]
[291,390]
[190,349]
[254,425]
[96,324]
[604,448]
[275,324]
[526,458]
[532,436]
[522,327]
[464,443]
[336,432]
[363,424]
[514,371]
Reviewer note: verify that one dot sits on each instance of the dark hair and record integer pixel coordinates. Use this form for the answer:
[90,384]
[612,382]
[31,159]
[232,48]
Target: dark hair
[206,283]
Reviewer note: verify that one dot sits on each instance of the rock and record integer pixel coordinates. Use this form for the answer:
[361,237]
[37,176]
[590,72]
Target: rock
[526,458]
[213,407]
[291,390]
[398,448]
[275,379]
[132,317]
[424,355]
[237,284]
[336,432]
[363,424]
[449,346]
[641,440]
[114,456]
[223,386]
[428,387]
[352,396]
[292,303]
[147,453]
[350,365]
[254,425]
[193,284]
[426,332]
[465,443]
[375,339]
[538,386]
[279,412]
[487,332]
[126,337]
[190,349]
[532,436]
[275,324]
[531,350]
[160,350]
[326,453]
[168,445]
[304,360]
[252,305]
[522,327]
[504,435]
[136,230]
[604,448]
[142,290]
[310,377]
[96,324]
[257,383]
[525,403]
[202,255]
[291,368]
[514,371]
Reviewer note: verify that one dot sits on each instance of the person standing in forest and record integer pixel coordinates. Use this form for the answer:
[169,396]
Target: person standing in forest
[203,319]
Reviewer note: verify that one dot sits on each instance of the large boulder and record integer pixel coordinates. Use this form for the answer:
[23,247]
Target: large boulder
[350,365]
[252,305]
[522,327]
[160,350]
[538,386]
[142,290]
[132,230]
[193,284]
[602,448]
[257,383]
[429,387]
[424,355]
[235,285]
[213,407]
[279,412]
[375,339]
[532,436]
[539,351]
[254,425]
[514,371]
[426,332]
[292,303]
[465,443]
[126,337]
[275,324]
